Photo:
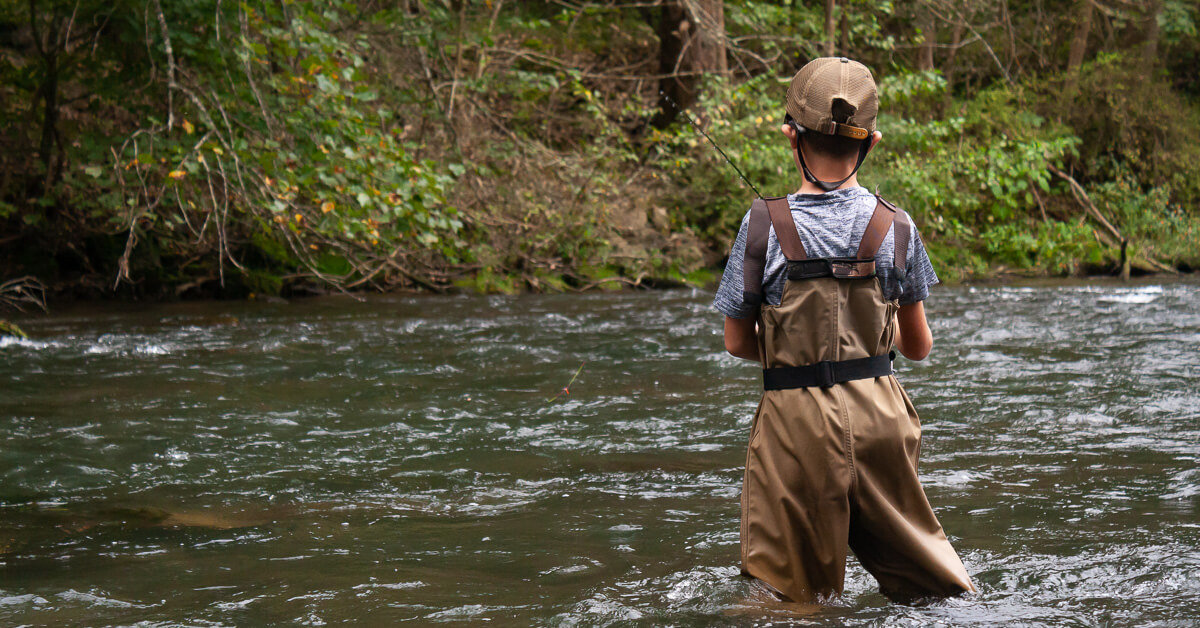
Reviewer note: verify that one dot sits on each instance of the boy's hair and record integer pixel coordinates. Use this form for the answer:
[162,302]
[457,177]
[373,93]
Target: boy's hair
[838,147]
[831,146]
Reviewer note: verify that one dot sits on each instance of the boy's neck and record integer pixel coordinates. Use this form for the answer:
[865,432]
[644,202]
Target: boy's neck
[809,187]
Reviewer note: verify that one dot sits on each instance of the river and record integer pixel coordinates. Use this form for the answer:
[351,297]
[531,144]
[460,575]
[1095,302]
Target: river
[414,459]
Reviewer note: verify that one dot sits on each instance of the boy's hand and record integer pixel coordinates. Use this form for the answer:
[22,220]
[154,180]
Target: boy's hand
[913,337]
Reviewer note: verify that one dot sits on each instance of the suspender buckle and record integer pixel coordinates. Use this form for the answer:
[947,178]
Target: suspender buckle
[810,268]
[825,374]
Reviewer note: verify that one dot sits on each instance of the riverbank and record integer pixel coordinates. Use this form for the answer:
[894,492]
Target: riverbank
[504,147]
[217,310]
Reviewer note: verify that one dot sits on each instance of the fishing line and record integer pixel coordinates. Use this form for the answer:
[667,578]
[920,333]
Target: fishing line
[710,141]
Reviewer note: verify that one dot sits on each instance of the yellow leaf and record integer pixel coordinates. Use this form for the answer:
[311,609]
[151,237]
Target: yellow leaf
[269,181]
[187,126]
[177,174]
[327,206]
[217,150]
[299,217]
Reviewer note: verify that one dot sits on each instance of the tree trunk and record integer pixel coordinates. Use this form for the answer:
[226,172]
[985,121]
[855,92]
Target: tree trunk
[49,92]
[956,36]
[691,37]
[1150,51]
[1083,26]
[710,36]
[844,27]
[829,41]
[49,43]
[928,26]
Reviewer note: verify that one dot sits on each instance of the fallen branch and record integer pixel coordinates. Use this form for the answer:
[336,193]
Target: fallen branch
[23,291]
[1081,197]
[1142,262]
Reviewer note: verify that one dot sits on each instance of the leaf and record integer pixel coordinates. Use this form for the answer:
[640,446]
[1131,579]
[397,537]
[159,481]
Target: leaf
[94,172]
[177,174]
[188,127]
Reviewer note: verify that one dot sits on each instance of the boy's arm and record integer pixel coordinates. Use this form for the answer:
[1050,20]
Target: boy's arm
[741,337]
[913,339]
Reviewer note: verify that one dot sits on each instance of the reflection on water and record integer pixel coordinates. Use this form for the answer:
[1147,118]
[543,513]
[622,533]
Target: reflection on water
[399,460]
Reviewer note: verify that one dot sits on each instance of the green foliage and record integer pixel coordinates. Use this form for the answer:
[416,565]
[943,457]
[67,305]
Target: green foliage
[743,119]
[971,179]
[1129,122]
[505,146]
[1147,217]
[1054,246]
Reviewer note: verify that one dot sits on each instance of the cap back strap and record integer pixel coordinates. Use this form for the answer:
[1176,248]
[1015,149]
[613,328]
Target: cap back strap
[845,130]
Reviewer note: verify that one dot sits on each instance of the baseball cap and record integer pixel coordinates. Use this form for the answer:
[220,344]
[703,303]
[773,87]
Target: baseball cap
[832,88]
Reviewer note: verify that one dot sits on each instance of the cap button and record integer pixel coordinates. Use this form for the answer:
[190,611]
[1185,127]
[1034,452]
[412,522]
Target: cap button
[845,60]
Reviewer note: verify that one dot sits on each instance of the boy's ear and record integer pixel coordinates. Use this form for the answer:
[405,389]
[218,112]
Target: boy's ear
[876,137]
[790,132]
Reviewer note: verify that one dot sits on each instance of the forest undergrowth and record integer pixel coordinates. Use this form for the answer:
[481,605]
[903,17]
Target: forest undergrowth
[201,148]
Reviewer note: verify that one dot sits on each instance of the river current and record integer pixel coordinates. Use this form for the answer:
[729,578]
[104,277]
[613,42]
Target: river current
[416,460]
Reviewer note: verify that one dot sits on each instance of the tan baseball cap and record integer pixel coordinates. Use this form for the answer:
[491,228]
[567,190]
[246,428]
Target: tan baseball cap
[812,96]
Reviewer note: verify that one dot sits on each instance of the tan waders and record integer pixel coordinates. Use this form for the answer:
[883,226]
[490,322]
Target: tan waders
[833,452]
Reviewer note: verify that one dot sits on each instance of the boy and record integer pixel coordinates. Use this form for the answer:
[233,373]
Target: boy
[819,287]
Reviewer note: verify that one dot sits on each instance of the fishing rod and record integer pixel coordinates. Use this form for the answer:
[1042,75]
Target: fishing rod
[710,141]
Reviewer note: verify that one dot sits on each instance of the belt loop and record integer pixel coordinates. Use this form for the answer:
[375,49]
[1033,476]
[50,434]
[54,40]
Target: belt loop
[826,374]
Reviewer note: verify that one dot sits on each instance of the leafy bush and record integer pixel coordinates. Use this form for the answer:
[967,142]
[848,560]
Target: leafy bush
[1157,226]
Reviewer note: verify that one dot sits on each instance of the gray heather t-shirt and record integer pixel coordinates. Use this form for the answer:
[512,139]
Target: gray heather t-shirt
[830,225]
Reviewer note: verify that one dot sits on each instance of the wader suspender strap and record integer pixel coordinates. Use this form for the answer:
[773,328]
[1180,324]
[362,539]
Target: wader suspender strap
[877,228]
[785,229]
[828,373]
[775,212]
[755,257]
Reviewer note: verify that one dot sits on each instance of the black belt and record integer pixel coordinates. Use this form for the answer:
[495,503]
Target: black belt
[826,374]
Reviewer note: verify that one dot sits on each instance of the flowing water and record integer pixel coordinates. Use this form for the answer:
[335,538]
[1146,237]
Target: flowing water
[411,459]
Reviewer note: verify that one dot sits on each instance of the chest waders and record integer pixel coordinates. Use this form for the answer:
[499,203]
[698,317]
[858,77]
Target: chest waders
[832,459]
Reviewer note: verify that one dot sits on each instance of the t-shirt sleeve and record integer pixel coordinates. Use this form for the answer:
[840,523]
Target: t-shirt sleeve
[729,294]
[920,274]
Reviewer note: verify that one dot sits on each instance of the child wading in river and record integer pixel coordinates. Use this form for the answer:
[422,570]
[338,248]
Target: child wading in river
[820,286]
